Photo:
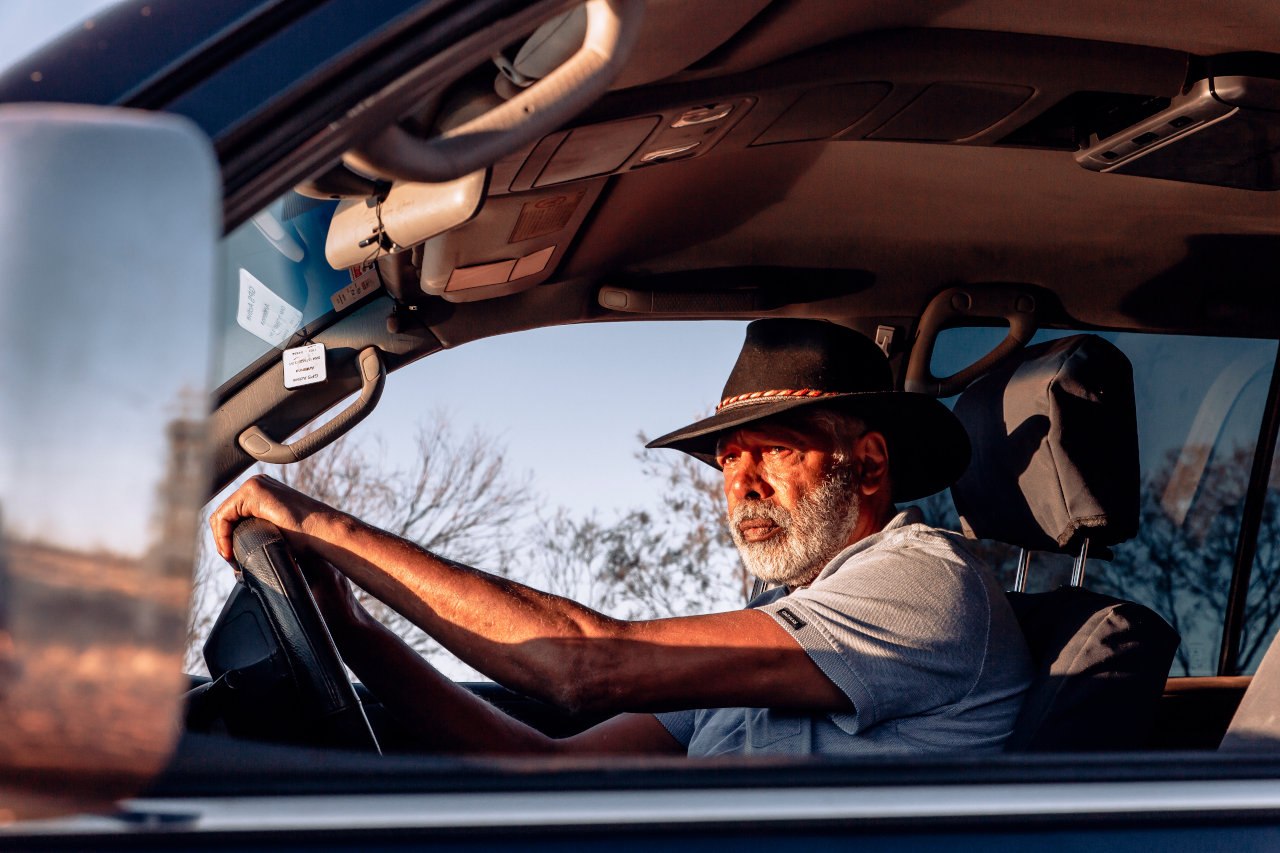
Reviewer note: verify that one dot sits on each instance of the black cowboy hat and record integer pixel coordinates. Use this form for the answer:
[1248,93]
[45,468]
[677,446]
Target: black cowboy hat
[786,364]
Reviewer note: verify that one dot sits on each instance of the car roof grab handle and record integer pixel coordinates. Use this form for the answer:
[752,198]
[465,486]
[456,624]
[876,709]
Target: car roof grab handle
[373,375]
[612,26]
[959,306]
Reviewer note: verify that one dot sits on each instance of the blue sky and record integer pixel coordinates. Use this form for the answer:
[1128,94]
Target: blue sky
[26,24]
[568,402]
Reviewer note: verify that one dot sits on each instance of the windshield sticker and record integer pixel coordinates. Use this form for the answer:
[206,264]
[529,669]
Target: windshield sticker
[264,313]
[367,282]
[304,366]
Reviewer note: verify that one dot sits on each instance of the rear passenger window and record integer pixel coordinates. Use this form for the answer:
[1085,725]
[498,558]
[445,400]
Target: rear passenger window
[1200,404]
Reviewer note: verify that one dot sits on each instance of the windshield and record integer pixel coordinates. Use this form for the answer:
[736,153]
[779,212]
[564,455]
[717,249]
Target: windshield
[276,286]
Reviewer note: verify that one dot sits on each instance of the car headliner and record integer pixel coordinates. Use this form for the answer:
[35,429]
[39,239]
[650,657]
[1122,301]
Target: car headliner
[1118,250]
[895,221]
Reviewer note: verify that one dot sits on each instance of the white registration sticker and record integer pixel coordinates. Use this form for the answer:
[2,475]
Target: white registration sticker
[265,313]
[366,282]
[304,366]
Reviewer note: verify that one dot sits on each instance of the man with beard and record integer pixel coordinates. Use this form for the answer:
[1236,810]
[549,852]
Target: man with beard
[881,635]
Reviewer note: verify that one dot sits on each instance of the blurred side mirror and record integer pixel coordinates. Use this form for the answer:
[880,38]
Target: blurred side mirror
[109,221]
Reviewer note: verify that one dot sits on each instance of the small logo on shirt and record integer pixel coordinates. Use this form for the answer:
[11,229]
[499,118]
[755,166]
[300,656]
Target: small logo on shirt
[793,620]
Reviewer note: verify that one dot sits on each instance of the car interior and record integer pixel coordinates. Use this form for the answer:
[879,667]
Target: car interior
[788,159]
[1060,218]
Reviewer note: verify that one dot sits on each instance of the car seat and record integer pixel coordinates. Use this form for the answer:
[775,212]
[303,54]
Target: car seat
[1255,726]
[1055,468]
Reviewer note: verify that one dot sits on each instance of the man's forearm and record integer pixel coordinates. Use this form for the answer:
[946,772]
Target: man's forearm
[530,641]
[542,645]
[443,716]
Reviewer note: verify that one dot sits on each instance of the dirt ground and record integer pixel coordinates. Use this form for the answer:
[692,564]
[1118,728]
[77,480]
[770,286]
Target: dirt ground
[90,672]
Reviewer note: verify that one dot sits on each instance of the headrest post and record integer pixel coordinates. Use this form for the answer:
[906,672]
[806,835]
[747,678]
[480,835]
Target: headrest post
[1020,576]
[1077,571]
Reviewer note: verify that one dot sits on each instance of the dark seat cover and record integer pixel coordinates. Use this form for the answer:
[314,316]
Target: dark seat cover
[1055,460]
[1101,664]
[1055,448]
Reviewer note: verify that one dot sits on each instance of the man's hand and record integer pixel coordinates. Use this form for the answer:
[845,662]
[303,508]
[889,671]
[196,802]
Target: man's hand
[268,499]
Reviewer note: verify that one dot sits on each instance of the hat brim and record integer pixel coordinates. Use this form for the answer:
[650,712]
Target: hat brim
[928,446]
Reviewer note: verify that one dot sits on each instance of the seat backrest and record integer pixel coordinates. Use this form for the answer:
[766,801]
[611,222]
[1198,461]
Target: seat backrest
[1255,726]
[1101,664]
[1055,463]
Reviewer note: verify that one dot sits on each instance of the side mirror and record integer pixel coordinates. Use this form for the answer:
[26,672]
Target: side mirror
[110,221]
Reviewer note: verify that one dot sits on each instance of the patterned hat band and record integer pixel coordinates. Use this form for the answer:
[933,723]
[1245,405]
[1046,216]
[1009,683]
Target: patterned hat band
[765,396]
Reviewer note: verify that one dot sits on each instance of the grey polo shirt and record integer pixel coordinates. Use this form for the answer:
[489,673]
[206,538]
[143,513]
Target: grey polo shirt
[917,633]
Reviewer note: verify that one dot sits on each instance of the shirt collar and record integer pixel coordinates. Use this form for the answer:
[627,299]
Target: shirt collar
[908,516]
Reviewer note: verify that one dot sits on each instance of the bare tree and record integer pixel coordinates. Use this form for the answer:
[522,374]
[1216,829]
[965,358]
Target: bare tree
[456,495]
[570,557]
[693,500]
[1182,567]
[677,561]
[206,598]
[1179,567]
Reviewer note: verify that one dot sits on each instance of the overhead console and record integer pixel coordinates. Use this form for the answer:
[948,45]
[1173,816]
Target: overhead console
[408,204]
[682,133]
[1224,130]
[509,228]
[513,244]
[536,201]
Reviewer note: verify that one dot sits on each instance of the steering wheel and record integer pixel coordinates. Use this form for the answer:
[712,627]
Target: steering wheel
[298,650]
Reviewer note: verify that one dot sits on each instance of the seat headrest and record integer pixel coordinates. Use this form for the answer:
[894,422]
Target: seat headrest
[1055,448]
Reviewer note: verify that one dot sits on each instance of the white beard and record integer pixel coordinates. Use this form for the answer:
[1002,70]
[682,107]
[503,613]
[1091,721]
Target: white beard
[809,537]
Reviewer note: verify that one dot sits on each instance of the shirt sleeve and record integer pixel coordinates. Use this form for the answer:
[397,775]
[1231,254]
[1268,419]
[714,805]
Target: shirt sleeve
[900,631]
[679,723]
